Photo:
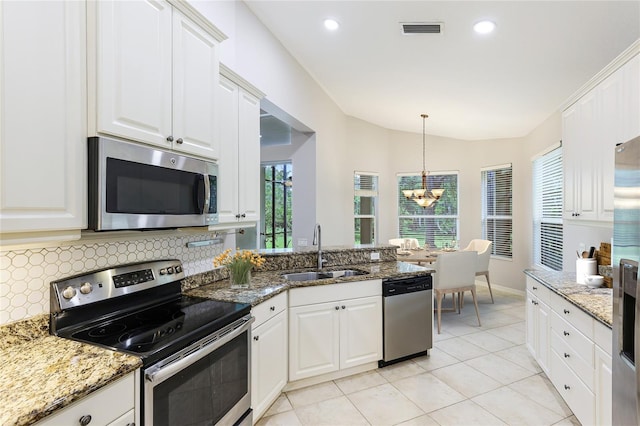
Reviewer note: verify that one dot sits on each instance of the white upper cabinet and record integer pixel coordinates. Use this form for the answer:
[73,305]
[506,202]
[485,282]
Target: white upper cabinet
[155,76]
[239,165]
[43,120]
[606,115]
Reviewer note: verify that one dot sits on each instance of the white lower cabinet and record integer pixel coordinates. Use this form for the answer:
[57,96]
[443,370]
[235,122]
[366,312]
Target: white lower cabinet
[269,348]
[579,355]
[112,405]
[537,332]
[334,327]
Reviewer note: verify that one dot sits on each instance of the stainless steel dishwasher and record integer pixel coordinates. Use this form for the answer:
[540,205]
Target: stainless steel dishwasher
[407,305]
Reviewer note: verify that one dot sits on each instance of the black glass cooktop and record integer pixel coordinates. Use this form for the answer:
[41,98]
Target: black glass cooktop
[176,324]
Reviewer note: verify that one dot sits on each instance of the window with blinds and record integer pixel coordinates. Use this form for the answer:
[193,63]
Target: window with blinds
[497,209]
[437,225]
[365,207]
[547,210]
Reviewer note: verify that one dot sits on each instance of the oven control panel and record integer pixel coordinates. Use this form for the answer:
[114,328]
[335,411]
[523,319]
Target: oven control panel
[105,284]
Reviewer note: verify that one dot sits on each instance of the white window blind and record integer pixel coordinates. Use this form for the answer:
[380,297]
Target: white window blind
[497,209]
[365,203]
[547,210]
[437,225]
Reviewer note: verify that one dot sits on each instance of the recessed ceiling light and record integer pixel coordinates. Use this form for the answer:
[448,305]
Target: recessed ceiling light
[331,24]
[484,27]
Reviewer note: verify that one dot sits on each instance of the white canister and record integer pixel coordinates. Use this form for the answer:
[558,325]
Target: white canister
[585,267]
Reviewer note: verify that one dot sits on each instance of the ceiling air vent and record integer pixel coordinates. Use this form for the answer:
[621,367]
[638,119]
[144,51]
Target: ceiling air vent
[411,28]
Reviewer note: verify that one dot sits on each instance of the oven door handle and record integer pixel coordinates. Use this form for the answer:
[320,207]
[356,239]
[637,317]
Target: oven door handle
[158,374]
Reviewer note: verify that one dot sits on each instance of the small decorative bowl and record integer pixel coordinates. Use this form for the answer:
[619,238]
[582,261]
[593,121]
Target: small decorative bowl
[594,280]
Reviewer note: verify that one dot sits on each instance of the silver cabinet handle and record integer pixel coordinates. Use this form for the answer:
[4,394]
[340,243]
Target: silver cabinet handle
[85,420]
[535,288]
[566,333]
[179,141]
[566,311]
[337,308]
[566,355]
[343,307]
[169,138]
[272,308]
[256,338]
[567,387]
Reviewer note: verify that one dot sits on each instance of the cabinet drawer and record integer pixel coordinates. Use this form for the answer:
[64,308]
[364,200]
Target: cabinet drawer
[334,292]
[539,290]
[269,309]
[572,337]
[105,405]
[575,393]
[572,314]
[581,367]
[603,336]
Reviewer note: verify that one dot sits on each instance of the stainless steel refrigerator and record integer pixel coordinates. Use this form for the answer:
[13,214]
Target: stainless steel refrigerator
[626,291]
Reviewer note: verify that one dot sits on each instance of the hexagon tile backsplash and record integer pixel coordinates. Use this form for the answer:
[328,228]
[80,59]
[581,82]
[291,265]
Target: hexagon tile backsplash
[25,275]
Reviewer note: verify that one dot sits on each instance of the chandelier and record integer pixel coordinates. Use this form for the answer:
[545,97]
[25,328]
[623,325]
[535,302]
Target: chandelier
[422,196]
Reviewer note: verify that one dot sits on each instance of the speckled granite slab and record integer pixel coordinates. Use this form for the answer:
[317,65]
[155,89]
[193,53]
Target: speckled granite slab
[597,302]
[40,374]
[265,285]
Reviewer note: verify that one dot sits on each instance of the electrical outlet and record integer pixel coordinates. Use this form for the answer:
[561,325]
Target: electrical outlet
[302,242]
[375,256]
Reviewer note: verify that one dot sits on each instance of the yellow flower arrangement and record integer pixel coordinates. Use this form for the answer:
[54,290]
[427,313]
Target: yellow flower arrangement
[239,265]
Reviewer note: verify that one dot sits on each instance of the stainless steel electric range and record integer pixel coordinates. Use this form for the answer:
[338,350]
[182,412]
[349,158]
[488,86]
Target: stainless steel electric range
[195,351]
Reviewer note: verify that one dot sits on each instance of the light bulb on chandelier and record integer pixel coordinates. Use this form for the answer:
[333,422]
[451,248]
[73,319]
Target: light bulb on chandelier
[422,196]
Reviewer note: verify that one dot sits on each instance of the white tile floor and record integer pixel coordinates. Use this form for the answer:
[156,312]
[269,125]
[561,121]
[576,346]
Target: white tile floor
[472,376]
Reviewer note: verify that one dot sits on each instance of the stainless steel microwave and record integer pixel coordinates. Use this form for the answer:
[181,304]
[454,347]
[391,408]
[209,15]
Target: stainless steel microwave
[133,186]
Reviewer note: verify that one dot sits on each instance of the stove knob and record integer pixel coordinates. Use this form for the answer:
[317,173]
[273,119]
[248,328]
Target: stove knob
[170,270]
[86,288]
[163,271]
[178,269]
[68,292]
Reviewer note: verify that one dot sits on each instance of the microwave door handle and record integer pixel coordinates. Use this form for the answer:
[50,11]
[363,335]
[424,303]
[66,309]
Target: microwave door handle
[207,193]
[200,195]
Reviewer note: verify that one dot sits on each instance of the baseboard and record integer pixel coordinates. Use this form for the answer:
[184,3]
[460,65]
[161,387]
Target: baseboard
[482,282]
[303,383]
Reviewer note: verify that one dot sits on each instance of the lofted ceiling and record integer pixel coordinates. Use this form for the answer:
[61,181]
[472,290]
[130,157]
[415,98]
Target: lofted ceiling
[473,86]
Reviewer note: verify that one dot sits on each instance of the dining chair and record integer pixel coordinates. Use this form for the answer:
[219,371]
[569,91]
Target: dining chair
[455,274]
[483,248]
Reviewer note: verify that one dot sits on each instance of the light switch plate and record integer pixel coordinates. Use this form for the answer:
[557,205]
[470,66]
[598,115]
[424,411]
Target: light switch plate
[375,256]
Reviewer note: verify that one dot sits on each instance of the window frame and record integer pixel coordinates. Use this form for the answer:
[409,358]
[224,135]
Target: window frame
[547,188]
[369,193]
[486,216]
[400,196]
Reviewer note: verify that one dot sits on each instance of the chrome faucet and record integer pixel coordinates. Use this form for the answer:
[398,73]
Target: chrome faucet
[317,239]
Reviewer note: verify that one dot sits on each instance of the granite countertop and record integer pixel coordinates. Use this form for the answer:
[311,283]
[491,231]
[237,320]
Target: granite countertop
[40,373]
[597,302]
[265,285]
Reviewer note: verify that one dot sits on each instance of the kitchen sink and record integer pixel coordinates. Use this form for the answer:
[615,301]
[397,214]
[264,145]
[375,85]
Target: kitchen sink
[321,275]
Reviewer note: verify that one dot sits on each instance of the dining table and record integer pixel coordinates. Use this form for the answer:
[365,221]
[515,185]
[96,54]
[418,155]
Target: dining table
[420,255]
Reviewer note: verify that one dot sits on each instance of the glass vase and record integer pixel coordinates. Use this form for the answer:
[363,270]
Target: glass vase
[240,278]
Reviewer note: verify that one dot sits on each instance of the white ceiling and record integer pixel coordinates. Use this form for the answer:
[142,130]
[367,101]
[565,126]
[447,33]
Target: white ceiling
[473,87]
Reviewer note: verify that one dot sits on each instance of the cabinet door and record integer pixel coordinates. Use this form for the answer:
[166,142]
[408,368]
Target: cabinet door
[544,336]
[42,116]
[532,325]
[195,83]
[603,387]
[360,331]
[587,166]
[134,70]
[268,363]
[228,164]
[314,339]
[570,156]
[630,127]
[249,157]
